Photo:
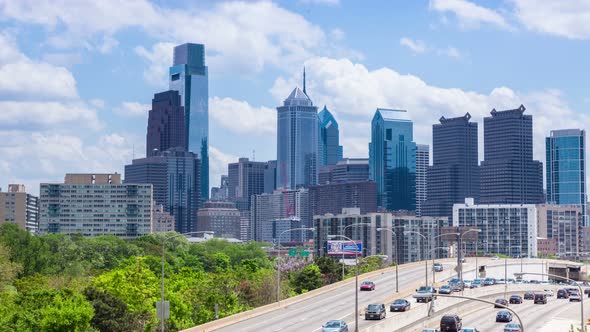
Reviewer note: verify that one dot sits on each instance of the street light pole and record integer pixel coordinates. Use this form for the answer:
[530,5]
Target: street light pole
[279,257]
[423,247]
[460,252]
[394,234]
[433,272]
[356,291]
[342,233]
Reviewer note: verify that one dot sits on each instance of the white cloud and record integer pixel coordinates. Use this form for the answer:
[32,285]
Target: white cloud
[159,59]
[32,115]
[560,18]
[218,165]
[469,14]
[322,2]
[130,108]
[337,34]
[451,52]
[416,46]
[241,117]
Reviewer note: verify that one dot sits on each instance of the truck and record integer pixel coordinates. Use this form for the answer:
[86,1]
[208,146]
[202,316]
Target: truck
[424,294]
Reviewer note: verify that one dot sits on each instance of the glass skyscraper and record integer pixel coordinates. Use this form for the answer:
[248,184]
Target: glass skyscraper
[297,142]
[392,159]
[566,168]
[189,76]
[330,150]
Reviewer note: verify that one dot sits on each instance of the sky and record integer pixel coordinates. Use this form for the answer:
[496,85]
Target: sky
[77,77]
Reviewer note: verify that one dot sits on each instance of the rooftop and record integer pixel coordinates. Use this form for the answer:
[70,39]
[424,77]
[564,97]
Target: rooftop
[391,114]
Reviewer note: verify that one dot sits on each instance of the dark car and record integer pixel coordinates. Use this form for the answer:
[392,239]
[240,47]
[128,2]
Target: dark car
[335,326]
[529,295]
[437,267]
[587,291]
[445,289]
[504,316]
[450,323]
[400,305]
[562,294]
[540,298]
[515,299]
[375,311]
[367,286]
[501,303]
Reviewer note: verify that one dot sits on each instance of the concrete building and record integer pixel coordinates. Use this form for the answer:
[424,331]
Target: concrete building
[270,177]
[422,163]
[162,220]
[345,170]
[332,198]
[166,128]
[330,150]
[221,193]
[94,205]
[564,223]
[507,229]
[19,207]
[546,247]
[222,218]
[245,226]
[245,178]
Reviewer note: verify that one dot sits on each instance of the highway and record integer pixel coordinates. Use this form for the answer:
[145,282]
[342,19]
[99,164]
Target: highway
[311,314]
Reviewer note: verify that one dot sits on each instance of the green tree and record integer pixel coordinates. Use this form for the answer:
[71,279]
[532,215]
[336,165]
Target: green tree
[330,269]
[8,270]
[67,313]
[307,279]
[110,313]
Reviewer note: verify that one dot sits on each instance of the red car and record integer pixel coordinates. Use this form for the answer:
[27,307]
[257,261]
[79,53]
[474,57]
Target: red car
[368,286]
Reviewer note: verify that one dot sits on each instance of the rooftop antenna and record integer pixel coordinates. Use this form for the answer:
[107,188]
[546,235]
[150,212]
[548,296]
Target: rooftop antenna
[304,81]
[253,155]
[133,152]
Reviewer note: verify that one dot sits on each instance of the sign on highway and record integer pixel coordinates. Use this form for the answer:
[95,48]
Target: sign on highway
[163,312]
[338,247]
[292,252]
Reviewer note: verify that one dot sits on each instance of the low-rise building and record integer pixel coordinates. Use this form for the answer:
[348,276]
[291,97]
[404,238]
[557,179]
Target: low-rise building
[19,207]
[546,247]
[222,218]
[162,220]
[564,223]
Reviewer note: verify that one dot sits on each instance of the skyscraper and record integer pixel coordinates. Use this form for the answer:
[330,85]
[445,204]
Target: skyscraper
[330,150]
[392,159]
[189,76]
[297,142]
[166,124]
[245,178]
[454,174]
[345,170]
[422,162]
[509,175]
[566,168]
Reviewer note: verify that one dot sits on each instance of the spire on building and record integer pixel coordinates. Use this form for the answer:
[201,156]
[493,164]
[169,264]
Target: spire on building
[304,81]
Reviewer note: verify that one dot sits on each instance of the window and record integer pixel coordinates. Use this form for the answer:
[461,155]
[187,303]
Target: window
[175,77]
[388,134]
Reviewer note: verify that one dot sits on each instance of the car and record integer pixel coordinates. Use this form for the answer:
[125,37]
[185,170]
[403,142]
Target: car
[469,329]
[571,289]
[456,284]
[375,311]
[495,258]
[548,292]
[367,286]
[504,316]
[515,299]
[575,296]
[501,281]
[511,280]
[400,305]
[500,303]
[540,298]
[562,294]
[335,326]
[468,283]
[529,296]
[450,323]
[476,283]
[424,294]
[587,291]
[445,289]
[438,267]
[429,330]
[489,281]
[512,327]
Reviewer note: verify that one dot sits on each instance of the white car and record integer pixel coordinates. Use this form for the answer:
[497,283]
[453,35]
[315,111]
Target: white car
[495,258]
[468,283]
[548,292]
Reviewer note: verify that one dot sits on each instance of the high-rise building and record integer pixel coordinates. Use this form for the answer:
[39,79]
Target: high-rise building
[245,178]
[270,176]
[18,207]
[392,159]
[330,150]
[566,168]
[345,170]
[162,220]
[176,174]
[222,218]
[166,128]
[189,76]
[422,163]
[564,223]
[454,174]
[509,175]
[297,142]
[94,205]
[333,197]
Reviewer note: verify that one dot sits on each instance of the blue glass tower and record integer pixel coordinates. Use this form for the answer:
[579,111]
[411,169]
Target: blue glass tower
[392,159]
[330,150]
[566,168]
[188,76]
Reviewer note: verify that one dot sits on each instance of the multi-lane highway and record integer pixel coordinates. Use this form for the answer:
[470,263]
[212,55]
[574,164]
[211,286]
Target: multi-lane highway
[312,313]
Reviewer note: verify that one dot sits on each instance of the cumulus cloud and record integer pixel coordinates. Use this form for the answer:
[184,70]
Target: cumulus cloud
[131,108]
[218,161]
[416,46]
[419,47]
[560,18]
[241,117]
[469,14]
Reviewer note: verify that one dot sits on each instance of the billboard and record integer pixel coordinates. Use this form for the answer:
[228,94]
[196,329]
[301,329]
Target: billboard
[338,247]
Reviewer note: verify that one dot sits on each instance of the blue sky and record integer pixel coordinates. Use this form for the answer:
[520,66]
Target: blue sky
[77,77]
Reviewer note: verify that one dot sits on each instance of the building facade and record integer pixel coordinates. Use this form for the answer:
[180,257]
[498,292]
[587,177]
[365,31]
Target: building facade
[330,150]
[19,207]
[222,218]
[245,178]
[297,142]
[270,177]
[162,221]
[422,163]
[345,170]
[166,128]
[509,175]
[566,168]
[507,229]
[454,174]
[333,197]
[392,159]
[564,223]
[189,76]
[95,205]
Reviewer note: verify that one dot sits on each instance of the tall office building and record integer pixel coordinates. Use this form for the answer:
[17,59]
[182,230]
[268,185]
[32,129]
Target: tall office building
[330,150]
[270,176]
[333,197]
[392,159]
[176,175]
[345,170]
[245,178]
[166,128]
[95,205]
[509,175]
[566,168]
[422,163]
[454,174]
[19,207]
[189,76]
[297,141]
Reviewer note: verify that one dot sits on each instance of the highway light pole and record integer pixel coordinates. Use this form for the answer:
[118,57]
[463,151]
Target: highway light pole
[431,250]
[394,234]
[279,257]
[356,290]
[342,232]
[460,252]
[423,249]
[162,319]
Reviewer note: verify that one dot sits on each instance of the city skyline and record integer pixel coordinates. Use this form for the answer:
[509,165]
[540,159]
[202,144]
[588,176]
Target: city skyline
[102,79]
